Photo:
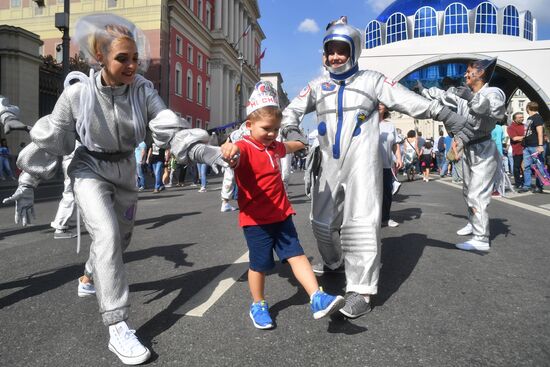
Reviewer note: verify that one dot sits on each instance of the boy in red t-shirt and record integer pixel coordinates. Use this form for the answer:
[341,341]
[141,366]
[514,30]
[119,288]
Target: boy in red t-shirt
[265,211]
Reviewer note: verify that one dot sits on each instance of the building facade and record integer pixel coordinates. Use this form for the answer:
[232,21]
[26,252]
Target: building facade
[202,51]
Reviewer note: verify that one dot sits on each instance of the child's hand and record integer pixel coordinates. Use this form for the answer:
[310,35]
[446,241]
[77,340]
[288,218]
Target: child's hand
[230,153]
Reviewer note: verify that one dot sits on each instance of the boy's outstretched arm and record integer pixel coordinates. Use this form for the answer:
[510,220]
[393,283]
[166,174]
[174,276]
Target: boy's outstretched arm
[293,146]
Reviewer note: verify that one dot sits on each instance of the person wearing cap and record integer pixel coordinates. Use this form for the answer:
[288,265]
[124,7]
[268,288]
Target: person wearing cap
[108,113]
[484,107]
[346,192]
[265,211]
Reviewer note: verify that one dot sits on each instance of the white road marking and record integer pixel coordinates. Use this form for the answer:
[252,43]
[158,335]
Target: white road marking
[210,294]
[508,201]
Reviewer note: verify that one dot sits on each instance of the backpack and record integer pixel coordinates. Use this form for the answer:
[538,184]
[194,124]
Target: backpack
[441,144]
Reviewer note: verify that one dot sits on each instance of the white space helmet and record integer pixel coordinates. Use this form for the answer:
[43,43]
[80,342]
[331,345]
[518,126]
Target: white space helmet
[339,30]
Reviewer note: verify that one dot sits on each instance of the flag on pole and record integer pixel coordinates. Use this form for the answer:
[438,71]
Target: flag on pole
[262,54]
[247,30]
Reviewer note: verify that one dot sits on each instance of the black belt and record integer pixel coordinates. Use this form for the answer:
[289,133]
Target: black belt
[109,157]
[480,140]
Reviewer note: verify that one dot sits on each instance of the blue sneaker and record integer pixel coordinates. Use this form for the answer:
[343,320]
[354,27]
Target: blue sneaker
[259,314]
[323,304]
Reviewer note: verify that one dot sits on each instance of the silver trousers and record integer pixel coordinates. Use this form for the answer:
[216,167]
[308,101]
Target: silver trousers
[106,195]
[479,169]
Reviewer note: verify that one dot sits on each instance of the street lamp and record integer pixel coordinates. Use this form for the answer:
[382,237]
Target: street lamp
[241,63]
[62,23]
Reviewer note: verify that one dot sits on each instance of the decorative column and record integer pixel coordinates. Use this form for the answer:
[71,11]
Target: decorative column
[218,15]
[216,92]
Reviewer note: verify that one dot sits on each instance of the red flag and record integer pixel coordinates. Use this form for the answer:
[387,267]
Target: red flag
[263,54]
[246,30]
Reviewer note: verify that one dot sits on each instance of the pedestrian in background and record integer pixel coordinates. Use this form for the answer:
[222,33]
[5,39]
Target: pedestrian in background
[533,147]
[5,157]
[516,132]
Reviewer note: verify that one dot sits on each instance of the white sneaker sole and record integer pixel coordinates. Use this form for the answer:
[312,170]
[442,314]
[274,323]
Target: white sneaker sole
[131,360]
[84,294]
[336,305]
[351,316]
[469,247]
[258,326]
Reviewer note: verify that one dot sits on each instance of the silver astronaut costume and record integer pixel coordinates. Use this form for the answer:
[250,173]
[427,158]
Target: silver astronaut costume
[9,116]
[66,206]
[347,192]
[228,183]
[480,158]
[103,169]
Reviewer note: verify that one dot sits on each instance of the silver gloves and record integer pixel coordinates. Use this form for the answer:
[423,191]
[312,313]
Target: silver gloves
[464,92]
[313,166]
[23,198]
[293,133]
[14,125]
[208,154]
[456,124]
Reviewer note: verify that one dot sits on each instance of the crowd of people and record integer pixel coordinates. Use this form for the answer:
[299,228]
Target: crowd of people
[107,148]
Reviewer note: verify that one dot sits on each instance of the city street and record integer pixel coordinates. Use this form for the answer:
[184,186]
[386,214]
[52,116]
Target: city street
[437,306]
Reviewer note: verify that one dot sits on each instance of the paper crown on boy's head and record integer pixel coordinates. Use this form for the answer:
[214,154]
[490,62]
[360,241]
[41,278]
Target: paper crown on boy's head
[263,95]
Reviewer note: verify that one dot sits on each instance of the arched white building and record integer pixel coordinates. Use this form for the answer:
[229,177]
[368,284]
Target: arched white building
[431,39]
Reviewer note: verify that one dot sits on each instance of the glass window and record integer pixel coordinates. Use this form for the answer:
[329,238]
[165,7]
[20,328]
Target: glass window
[199,61]
[178,82]
[111,3]
[38,10]
[208,16]
[192,5]
[199,90]
[190,120]
[425,22]
[456,19]
[396,28]
[486,18]
[373,35]
[179,46]
[199,9]
[189,85]
[528,27]
[190,54]
[207,94]
[15,3]
[59,53]
[510,22]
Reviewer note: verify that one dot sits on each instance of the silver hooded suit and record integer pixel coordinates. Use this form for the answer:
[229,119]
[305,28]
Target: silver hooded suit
[347,192]
[481,158]
[103,169]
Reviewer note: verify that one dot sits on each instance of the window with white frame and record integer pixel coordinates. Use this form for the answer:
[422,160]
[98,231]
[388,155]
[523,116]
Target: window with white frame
[178,80]
[199,9]
[396,28]
[373,34]
[208,16]
[190,120]
[510,21]
[528,26]
[199,123]
[207,94]
[486,18]
[199,90]
[456,19]
[191,4]
[199,60]
[111,3]
[207,67]
[189,85]
[179,46]
[425,22]
[190,54]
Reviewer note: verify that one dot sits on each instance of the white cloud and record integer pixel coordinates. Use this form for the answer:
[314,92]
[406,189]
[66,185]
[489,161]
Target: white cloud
[309,26]
[539,8]
[378,5]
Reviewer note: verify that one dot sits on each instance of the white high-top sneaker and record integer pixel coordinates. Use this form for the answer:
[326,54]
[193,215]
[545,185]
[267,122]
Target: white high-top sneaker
[466,230]
[126,346]
[474,245]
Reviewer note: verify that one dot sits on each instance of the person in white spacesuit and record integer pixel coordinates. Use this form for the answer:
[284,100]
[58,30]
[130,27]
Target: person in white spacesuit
[9,117]
[483,106]
[108,113]
[346,177]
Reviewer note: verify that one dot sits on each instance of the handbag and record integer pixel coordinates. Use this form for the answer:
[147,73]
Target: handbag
[451,157]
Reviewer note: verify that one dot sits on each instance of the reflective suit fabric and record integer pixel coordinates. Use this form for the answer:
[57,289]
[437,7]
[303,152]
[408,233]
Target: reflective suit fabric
[347,195]
[105,191]
[66,206]
[480,160]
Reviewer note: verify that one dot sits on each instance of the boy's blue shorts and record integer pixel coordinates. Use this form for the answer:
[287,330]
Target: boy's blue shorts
[263,239]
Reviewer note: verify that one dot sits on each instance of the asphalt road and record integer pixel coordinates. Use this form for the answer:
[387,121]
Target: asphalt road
[437,306]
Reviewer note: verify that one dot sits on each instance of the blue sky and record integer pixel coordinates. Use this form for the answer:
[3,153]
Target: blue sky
[294,30]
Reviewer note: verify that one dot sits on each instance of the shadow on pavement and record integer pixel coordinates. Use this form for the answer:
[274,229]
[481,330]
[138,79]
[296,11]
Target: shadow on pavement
[406,215]
[172,253]
[399,255]
[39,283]
[497,226]
[162,220]
[21,229]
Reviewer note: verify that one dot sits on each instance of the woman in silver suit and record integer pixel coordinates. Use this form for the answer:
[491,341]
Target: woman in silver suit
[108,113]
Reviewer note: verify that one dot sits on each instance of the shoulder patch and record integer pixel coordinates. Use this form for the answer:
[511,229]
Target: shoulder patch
[305,91]
[390,82]
[328,86]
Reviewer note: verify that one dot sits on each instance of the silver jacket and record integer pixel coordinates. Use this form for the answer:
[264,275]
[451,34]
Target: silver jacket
[353,102]
[111,127]
[482,112]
